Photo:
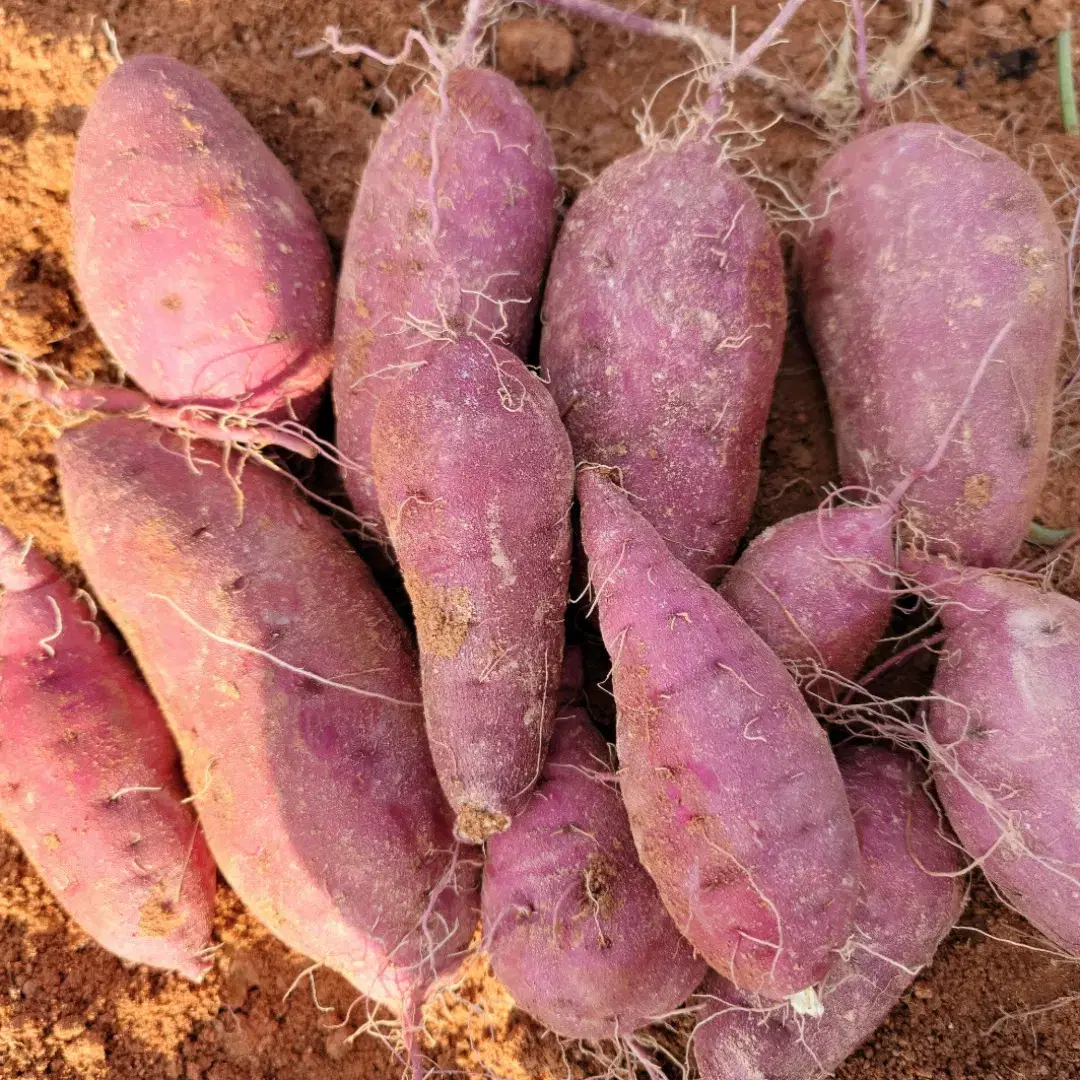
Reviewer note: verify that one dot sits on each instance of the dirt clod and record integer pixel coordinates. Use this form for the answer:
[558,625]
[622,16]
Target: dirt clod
[536,51]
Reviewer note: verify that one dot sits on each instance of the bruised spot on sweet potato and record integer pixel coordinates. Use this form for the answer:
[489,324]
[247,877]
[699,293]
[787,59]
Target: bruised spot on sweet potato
[599,880]
[978,490]
[52,841]
[442,616]
[172,302]
[476,824]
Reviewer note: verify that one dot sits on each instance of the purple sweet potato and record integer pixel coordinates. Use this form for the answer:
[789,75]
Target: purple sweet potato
[900,312]
[291,687]
[664,319]
[910,898]
[450,237]
[735,800]
[1005,738]
[575,927]
[90,780]
[816,589]
[199,261]
[476,478]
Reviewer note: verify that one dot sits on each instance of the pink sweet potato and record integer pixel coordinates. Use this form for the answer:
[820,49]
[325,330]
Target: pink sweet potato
[735,800]
[910,898]
[90,780]
[476,478]
[816,589]
[199,261]
[291,687]
[575,927]
[450,237]
[1004,726]
[900,311]
[664,318]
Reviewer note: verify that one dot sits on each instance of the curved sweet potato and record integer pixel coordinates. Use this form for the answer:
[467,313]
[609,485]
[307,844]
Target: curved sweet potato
[735,801]
[575,928]
[90,780]
[291,687]
[900,312]
[470,268]
[475,479]
[198,259]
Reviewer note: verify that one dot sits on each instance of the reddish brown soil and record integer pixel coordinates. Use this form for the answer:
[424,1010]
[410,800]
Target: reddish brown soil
[67,1010]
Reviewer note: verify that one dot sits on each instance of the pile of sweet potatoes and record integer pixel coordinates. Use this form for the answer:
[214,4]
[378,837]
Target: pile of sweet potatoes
[351,771]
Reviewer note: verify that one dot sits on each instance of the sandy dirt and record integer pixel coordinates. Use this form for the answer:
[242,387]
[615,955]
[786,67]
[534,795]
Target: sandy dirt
[986,1009]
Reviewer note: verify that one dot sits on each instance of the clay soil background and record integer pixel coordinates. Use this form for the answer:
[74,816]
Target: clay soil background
[987,1009]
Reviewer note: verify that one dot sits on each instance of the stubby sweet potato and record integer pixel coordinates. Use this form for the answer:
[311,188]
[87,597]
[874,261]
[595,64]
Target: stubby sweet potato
[664,318]
[574,924]
[90,780]
[911,896]
[816,589]
[291,687]
[475,479]
[1004,726]
[450,237]
[900,312]
[735,800]
[199,261]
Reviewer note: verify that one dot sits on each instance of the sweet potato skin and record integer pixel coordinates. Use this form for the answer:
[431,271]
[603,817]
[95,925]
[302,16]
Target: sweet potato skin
[90,781]
[904,913]
[198,260]
[476,478]
[900,314]
[576,930]
[320,805]
[735,800]
[478,275]
[663,324]
[816,589]
[1006,719]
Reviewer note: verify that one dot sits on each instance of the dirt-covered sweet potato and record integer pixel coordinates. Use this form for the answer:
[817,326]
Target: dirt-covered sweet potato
[911,895]
[475,478]
[199,261]
[900,311]
[450,237]
[1004,724]
[90,781]
[664,318]
[735,800]
[291,687]
[574,925]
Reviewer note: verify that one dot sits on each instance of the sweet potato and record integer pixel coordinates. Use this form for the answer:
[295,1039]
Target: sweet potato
[664,319]
[475,479]
[575,928]
[816,589]
[90,780]
[450,237]
[735,801]
[1004,725]
[291,687]
[911,895]
[198,260]
[900,312]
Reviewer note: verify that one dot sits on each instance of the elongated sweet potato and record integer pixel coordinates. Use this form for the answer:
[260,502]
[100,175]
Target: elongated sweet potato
[900,312]
[664,319]
[475,478]
[735,800]
[450,237]
[910,898]
[292,689]
[1005,738]
[90,780]
[575,927]
[816,589]
[198,259]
